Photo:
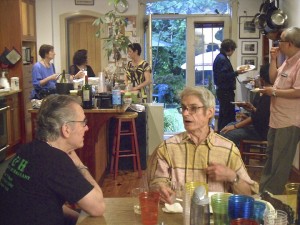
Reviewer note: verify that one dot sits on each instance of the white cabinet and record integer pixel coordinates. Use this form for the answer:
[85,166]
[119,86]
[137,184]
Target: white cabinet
[155,125]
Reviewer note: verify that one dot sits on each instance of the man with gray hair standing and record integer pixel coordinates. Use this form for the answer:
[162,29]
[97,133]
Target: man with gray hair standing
[284,132]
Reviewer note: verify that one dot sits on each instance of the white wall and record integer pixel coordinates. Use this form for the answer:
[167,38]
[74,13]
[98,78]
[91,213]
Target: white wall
[48,14]
[247,8]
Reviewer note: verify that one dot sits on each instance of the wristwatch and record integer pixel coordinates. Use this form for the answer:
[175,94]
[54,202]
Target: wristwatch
[274,92]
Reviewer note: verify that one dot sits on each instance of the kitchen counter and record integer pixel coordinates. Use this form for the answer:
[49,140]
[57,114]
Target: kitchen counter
[6,93]
[94,154]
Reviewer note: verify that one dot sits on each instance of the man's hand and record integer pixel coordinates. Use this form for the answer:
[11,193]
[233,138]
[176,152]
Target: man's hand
[218,172]
[166,194]
[227,128]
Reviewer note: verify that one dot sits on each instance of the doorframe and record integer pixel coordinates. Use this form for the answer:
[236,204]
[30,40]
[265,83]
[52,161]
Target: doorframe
[190,37]
[63,33]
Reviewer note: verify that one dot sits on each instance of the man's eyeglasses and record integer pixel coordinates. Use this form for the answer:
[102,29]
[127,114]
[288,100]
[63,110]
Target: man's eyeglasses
[84,122]
[191,110]
[281,41]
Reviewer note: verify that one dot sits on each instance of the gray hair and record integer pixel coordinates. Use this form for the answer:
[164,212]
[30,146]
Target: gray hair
[54,112]
[292,34]
[203,94]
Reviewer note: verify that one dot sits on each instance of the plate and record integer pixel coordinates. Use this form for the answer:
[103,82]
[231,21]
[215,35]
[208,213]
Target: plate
[256,90]
[251,67]
[237,102]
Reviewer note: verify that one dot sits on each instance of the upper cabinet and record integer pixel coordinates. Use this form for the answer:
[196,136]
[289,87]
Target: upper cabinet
[28,20]
[18,31]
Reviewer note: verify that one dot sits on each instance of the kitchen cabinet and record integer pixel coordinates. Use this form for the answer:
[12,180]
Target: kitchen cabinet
[28,20]
[13,120]
[18,29]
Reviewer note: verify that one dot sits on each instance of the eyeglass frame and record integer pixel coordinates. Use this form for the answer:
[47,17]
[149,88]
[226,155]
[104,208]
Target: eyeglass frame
[78,121]
[279,40]
[191,109]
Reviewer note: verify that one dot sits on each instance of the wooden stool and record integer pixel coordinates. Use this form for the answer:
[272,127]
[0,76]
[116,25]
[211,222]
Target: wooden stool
[129,118]
[247,147]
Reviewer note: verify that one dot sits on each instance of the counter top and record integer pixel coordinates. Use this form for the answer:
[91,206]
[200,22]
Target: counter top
[6,93]
[112,110]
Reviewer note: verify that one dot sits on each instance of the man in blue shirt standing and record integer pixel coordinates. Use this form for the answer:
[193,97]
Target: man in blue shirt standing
[224,78]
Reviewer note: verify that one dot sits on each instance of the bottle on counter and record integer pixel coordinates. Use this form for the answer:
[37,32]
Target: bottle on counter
[200,214]
[127,95]
[87,98]
[297,222]
[63,78]
[116,96]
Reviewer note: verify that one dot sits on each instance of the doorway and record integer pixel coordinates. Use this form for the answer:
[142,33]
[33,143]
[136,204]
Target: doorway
[81,35]
[186,61]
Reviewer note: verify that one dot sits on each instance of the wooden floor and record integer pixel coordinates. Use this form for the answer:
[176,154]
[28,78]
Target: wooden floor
[127,180]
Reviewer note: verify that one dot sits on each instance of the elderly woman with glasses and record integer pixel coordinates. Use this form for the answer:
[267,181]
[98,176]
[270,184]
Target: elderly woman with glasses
[198,154]
[47,173]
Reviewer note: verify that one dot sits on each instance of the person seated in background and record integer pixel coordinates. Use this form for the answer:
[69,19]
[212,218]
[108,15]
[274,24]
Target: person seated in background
[47,173]
[80,66]
[198,154]
[256,126]
[43,74]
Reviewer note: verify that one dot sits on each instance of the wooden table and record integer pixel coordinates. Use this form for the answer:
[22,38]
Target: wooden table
[120,211]
[94,154]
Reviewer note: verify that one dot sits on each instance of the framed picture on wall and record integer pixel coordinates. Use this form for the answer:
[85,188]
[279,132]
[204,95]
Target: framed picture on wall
[247,28]
[249,47]
[84,2]
[250,60]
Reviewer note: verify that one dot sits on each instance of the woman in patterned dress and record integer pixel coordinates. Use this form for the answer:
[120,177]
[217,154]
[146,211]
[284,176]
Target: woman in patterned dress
[138,71]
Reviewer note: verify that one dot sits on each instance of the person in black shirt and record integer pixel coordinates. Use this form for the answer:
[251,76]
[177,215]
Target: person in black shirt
[256,126]
[224,79]
[47,173]
[80,66]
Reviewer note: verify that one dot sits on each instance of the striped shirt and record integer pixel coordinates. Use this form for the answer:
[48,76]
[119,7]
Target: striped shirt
[179,159]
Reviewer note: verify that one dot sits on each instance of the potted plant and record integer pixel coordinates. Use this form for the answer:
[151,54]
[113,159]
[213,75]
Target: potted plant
[115,41]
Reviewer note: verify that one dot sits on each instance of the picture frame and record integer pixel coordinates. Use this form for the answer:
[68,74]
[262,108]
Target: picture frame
[249,47]
[247,29]
[252,60]
[84,2]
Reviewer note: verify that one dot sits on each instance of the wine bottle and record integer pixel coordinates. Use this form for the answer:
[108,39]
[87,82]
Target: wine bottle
[63,77]
[87,102]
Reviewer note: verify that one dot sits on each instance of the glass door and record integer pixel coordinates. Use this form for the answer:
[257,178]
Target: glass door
[183,49]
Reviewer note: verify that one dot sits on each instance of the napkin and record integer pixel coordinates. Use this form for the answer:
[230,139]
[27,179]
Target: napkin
[174,208]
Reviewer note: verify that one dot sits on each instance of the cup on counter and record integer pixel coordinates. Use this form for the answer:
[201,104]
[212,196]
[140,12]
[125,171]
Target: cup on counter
[149,202]
[135,192]
[291,190]
[219,204]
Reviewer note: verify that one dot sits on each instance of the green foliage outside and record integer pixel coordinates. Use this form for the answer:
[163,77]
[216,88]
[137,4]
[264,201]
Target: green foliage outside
[170,52]
[172,121]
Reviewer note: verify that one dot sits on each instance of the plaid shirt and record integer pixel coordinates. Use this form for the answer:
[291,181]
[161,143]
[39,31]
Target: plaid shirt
[179,159]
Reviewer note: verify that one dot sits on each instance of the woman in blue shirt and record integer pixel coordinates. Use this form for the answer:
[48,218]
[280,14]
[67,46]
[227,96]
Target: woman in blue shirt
[43,74]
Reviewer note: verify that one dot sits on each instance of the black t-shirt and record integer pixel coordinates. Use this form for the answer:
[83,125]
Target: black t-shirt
[37,182]
[260,119]
[73,70]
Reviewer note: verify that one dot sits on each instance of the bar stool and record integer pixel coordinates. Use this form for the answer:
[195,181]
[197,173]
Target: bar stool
[119,131]
[246,150]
